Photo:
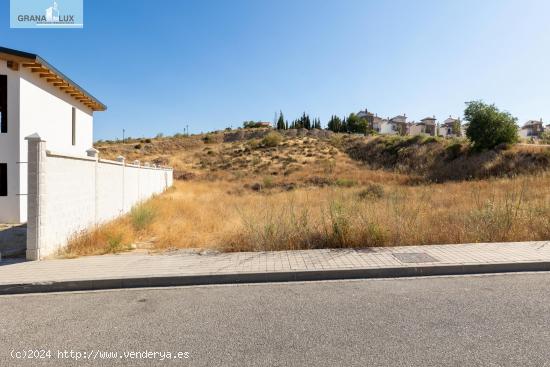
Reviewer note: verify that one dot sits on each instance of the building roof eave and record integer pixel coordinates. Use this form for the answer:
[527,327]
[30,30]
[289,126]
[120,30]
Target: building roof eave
[45,70]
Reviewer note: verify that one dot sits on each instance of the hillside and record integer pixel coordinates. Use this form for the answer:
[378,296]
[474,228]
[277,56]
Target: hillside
[302,156]
[257,190]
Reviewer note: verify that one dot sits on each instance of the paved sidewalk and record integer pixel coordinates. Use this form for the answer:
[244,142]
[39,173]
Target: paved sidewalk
[189,267]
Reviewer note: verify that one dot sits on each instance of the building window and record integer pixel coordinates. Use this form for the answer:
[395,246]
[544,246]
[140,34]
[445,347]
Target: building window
[3,104]
[74,126]
[3,179]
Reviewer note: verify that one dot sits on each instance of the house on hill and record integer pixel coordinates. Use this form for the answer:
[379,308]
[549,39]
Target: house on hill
[451,127]
[369,116]
[35,97]
[426,126]
[382,126]
[532,129]
[399,125]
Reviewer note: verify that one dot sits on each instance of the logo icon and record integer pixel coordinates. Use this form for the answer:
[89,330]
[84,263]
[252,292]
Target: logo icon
[46,14]
[52,13]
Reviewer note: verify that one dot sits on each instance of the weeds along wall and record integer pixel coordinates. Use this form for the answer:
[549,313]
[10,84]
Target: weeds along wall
[69,194]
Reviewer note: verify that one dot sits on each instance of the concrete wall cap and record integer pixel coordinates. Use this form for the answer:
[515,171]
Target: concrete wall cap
[34,137]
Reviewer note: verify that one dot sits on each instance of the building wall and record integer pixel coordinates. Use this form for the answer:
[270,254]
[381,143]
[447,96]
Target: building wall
[415,130]
[387,128]
[35,106]
[526,133]
[9,150]
[46,110]
[69,194]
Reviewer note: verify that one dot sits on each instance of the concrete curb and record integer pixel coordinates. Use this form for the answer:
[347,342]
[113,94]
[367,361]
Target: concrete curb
[287,276]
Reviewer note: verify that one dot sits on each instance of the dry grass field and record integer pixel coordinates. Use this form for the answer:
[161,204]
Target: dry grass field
[255,191]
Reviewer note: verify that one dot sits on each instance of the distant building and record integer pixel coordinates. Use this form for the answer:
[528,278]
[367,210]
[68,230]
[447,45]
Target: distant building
[532,129]
[369,116]
[426,126]
[382,126]
[399,125]
[448,127]
[256,124]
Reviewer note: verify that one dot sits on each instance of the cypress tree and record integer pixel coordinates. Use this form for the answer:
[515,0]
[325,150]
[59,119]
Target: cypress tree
[281,121]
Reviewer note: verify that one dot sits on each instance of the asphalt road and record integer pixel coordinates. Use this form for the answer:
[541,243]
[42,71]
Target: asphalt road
[499,320]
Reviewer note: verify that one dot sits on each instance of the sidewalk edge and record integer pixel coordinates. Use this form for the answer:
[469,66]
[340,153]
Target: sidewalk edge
[286,276]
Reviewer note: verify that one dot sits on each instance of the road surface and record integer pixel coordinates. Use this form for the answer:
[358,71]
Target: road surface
[500,320]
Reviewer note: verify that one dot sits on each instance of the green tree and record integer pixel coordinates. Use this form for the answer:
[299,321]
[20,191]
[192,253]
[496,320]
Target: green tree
[317,123]
[335,124]
[363,127]
[281,121]
[488,126]
[306,122]
[456,128]
[545,137]
[358,125]
[353,123]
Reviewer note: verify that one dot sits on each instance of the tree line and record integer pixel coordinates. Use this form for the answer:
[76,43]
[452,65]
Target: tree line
[303,122]
[351,124]
[488,126]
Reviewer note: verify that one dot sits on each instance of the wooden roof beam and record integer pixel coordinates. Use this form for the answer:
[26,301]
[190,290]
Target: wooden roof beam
[13,65]
[32,65]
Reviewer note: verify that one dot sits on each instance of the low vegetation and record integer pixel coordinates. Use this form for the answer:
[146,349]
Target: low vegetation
[256,189]
[220,215]
[300,187]
[440,160]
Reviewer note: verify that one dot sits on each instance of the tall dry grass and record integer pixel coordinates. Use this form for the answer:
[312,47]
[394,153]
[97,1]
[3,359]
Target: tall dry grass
[221,215]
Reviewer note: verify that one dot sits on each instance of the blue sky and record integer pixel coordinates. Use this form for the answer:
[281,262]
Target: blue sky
[159,65]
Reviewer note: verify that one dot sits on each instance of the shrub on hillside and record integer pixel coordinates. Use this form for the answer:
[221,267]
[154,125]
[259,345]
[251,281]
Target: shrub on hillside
[454,151]
[272,139]
[345,182]
[488,126]
[372,191]
[208,139]
[142,216]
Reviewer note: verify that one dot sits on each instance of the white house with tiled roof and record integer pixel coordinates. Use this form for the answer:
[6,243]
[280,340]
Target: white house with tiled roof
[37,98]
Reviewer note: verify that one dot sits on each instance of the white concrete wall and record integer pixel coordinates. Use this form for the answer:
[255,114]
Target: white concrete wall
[9,150]
[68,194]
